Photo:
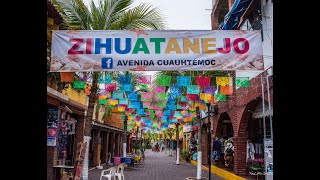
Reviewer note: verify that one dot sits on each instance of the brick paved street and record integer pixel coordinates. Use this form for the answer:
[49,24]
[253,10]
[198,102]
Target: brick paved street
[158,166]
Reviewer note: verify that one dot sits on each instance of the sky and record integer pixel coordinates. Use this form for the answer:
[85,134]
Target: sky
[180,14]
[185,15]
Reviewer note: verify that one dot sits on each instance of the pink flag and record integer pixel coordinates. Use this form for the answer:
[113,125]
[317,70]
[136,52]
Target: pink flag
[146,104]
[191,97]
[144,79]
[203,81]
[159,89]
[159,113]
[146,95]
[111,87]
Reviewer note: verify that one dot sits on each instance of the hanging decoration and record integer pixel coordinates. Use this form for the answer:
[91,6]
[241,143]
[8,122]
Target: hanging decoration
[103,101]
[79,85]
[124,79]
[223,81]
[163,80]
[67,76]
[133,96]
[146,105]
[210,89]
[220,97]
[171,107]
[193,89]
[146,96]
[191,97]
[183,80]
[159,89]
[144,79]
[203,81]
[161,96]
[88,90]
[242,82]
[112,102]
[226,90]
[117,94]
[127,87]
[123,101]
[175,91]
[111,87]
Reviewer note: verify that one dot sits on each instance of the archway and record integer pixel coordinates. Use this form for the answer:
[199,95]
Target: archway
[251,134]
[224,131]
[224,126]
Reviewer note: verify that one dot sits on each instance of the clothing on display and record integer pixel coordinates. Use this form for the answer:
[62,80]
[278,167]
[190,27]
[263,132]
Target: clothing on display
[250,150]
[258,148]
[216,149]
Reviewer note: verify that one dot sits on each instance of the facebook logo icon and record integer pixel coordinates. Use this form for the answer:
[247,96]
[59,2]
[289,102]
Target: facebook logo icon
[107,63]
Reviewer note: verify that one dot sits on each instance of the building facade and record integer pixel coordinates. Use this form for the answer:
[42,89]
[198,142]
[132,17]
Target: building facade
[240,117]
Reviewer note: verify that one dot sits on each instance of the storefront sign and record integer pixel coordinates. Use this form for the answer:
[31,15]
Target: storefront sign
[268,158]
[52,117]
[51,141]
[74,51]
[52,132]
[187,128]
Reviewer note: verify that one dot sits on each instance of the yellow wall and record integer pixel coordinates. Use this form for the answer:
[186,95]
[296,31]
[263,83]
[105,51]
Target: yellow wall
[74,95]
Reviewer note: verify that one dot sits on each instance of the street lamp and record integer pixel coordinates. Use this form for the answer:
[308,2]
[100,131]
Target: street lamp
[210,111]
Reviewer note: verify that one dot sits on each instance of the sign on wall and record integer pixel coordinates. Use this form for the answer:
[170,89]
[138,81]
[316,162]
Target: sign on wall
[74,51]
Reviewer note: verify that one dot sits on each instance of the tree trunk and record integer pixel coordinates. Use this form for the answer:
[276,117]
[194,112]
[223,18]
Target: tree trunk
[93,97]
[199,158]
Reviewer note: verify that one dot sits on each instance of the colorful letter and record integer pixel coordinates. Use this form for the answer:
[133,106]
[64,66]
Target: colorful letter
[99,45]
[206,45]
[137,48]
[187,44]
[227,46]
[89,46]
[157,42]
[127,47]
[236,46]
[173,46]
[78,43]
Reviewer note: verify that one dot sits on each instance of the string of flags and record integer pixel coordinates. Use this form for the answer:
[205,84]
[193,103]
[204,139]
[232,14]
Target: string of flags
[168,102]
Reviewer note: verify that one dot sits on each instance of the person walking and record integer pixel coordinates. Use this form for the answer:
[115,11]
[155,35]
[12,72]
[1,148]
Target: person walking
[157,147]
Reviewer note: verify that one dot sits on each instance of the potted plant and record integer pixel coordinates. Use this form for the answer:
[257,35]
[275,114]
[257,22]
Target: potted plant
[185,155]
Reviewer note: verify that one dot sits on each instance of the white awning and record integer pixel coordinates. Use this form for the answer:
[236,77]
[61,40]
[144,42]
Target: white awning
[258,112]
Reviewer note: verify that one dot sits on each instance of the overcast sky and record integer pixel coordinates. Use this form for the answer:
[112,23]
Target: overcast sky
[184,15]
[181,14]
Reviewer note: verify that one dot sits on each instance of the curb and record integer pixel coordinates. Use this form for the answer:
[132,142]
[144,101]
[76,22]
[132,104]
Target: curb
[220,172]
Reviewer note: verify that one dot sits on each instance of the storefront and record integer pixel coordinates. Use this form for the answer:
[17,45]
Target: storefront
[255,143]
[63,115]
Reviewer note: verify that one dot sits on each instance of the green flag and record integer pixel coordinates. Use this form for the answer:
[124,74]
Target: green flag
[164,80]
[162,96]
[220,97]
[78,85]
[242,82]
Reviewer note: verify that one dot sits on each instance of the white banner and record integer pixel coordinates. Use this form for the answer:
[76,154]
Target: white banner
[74,51]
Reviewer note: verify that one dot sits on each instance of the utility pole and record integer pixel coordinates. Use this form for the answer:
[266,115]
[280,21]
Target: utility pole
[199,157]
[209,138]
[125,136]
[177,138]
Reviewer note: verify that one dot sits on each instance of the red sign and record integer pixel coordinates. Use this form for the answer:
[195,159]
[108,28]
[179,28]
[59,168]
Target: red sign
[52,132]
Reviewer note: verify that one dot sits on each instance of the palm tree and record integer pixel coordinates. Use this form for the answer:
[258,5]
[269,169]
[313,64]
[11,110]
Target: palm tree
[107,15]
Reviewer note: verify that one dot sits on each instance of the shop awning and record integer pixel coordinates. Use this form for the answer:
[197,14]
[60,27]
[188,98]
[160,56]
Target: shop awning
[232,18]
[258,113]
